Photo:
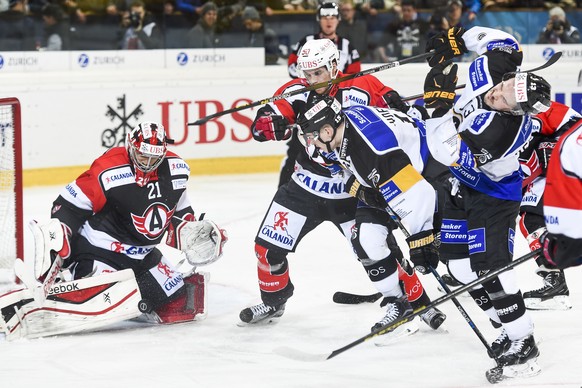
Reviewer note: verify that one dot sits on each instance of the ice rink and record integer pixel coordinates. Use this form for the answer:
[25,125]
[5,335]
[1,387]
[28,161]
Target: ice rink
[216,352]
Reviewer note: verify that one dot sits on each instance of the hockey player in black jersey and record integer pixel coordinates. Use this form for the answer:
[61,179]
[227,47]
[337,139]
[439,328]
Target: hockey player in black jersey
[386,152]
[106,226]
[480,138]
[315,193]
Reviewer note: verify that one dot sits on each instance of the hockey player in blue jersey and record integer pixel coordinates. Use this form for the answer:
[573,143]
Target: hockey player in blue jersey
[480,139]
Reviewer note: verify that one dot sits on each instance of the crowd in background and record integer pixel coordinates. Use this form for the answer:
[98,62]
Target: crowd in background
[151,24]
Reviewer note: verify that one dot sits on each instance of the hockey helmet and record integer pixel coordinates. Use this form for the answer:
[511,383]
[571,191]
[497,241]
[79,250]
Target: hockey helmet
[317,114]
[318,53]
[328,9]
[147,145]
[532,93]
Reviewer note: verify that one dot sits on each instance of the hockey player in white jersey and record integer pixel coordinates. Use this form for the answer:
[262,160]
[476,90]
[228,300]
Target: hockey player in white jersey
[480,139]
[554,294]
[386,152]
[104,230]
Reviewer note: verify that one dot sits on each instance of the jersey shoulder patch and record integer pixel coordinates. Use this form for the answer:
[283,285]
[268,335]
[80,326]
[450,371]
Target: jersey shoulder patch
[372,129]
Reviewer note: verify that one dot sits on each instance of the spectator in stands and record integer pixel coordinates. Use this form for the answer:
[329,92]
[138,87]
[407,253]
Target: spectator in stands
[141,32]
[203,34]
[192,8]
[328,17]
[56,29]
[299,5]
[373,7]
[437,23]
[488,4]
[353,29]
[455,13]
[260,36]
[17,31]
[558,29]
[404,37]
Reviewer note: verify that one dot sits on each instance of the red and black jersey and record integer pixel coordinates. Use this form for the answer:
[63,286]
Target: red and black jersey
[364,90]
[109,209]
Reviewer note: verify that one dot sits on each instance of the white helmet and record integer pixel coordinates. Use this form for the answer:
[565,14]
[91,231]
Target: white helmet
[317,53]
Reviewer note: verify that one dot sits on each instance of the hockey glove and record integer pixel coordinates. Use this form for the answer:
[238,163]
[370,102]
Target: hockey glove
[548,248]
[423,252]
[365,194]
[271,127]
[446,46]
[394,101]
[544,151]
[439,87]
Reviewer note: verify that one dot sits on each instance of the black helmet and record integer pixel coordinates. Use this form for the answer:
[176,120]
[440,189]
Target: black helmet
[328,9]
[532,92]
[319,112]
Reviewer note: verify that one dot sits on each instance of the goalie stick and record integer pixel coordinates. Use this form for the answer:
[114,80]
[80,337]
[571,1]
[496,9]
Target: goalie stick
[318,85]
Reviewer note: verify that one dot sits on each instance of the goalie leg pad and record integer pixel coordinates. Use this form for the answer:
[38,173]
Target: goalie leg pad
[71,307]
[190,305]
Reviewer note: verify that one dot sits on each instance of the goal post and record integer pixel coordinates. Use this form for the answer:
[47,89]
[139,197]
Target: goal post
[11,217]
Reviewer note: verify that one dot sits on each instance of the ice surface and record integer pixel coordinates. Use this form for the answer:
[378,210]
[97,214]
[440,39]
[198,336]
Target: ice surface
[216,352]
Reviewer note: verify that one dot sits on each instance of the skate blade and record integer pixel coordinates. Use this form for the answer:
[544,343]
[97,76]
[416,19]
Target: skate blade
[530,369]
[264,322]
[561,302]
[397,334]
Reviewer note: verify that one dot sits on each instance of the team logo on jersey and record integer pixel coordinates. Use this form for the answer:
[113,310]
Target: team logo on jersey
[374,177]
[154,221]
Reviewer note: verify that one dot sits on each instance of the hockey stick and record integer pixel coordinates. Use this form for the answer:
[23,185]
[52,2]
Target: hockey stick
[348,298]
[318,85]
[553,59]
[435,303]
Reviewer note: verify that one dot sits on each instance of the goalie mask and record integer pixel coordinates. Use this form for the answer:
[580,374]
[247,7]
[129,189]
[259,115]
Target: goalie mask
[147,146]
[318,53]
[532,93]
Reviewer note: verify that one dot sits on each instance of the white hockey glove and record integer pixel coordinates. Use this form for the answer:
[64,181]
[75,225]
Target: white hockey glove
[201,241]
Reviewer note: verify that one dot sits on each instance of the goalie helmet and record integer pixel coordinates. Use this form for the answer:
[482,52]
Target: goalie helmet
[532,93]
[147,146]
[318,53]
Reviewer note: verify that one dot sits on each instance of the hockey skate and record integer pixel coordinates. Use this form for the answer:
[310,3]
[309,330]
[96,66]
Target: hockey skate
[433,318]
[520,360]
[554,295]
[396,308]
[261,313]
[501,344]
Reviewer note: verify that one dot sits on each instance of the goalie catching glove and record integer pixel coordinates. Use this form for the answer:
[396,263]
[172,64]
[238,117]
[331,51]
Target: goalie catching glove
[201,241]
[446,45]
[423,251]
[271,127]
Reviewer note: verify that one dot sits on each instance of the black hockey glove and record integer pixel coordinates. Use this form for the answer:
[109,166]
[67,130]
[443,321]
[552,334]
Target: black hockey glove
[271,127]
[365,194]
[394,101]
[439,87]
[423,251]
[446,45]
[544,151]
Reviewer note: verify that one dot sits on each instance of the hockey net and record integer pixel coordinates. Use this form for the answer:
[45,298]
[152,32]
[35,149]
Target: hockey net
[11,232]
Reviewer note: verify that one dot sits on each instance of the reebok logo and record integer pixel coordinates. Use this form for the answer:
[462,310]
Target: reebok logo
[60,288]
